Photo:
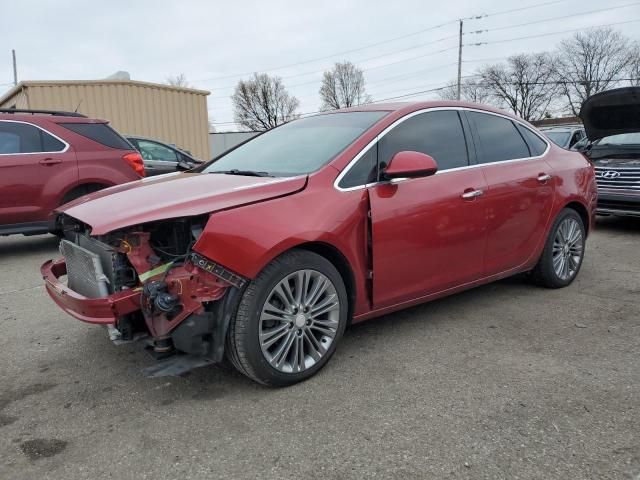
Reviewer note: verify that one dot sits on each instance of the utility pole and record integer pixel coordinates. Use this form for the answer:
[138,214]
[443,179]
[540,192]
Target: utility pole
[460,61]
[15,69]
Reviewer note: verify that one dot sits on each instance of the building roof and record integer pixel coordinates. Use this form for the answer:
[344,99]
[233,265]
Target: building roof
[136,83]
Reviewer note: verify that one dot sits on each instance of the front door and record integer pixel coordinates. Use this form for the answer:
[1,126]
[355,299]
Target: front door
[31,163]
[428,234]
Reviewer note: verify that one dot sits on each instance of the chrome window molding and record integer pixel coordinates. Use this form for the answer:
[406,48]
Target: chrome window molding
[441,172]
[66,145]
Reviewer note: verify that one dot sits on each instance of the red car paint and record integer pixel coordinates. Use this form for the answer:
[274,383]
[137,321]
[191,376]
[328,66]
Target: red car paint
[34,184]
[402,242]
[175,195]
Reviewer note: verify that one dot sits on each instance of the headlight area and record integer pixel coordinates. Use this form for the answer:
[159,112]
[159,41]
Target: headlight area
[186,300]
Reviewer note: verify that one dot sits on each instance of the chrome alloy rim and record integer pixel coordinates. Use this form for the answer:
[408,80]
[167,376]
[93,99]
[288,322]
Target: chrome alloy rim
[299,321]
[567,248]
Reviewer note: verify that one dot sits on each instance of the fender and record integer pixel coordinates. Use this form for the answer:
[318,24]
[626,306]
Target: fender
[281,224]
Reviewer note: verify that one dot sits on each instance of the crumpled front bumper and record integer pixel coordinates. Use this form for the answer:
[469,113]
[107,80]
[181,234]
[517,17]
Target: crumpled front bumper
[101,311]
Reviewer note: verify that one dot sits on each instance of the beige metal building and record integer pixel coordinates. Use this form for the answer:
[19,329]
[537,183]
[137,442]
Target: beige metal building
[174,115]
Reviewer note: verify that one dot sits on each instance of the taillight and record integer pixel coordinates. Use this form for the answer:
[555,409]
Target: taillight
[135,161]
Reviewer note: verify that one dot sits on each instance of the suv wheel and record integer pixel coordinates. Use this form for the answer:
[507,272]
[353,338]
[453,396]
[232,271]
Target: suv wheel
[289,320]
[563,252]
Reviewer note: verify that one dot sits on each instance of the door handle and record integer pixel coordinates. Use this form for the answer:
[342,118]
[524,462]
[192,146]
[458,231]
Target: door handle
[544,177]
[470,195]
[50,161]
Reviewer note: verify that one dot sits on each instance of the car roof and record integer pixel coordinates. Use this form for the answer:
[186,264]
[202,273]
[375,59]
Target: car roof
[40,117]
[399,109]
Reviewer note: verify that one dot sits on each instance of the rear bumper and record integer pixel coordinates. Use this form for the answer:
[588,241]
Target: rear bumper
[101,311]
[622,203]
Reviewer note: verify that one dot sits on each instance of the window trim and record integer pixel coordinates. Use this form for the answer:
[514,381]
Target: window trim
[435,109]
[66,145]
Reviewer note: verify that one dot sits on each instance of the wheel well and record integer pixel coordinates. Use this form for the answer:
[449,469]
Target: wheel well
[582,211]
[339,261]
[80,190]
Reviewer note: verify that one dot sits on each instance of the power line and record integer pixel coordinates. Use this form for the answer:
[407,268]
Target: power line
[513,10]
[332,55]
[573,15]
[434,27]
[549,34]
[376,57]
[377,66]
[470,44]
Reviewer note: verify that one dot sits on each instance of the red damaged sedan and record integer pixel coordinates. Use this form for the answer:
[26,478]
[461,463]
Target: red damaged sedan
[266,254]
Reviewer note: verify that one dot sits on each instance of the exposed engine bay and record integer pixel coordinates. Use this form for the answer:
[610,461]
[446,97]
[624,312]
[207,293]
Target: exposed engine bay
[181,313]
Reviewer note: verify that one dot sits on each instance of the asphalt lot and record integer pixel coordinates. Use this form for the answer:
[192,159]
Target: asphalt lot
[504,381]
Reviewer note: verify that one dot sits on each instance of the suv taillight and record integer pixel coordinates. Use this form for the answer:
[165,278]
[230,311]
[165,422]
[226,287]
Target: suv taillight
[135,161]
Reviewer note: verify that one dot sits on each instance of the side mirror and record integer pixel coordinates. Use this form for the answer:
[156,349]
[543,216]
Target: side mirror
[408,164]
[183,166]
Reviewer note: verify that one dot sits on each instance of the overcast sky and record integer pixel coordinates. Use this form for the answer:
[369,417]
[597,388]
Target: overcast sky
[207,40]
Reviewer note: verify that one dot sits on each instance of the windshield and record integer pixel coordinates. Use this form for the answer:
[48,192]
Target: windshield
[621,139]
[559,138]
[299,147]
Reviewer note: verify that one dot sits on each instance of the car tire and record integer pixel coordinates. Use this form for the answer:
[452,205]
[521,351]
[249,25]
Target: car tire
[252,328]
[562,257]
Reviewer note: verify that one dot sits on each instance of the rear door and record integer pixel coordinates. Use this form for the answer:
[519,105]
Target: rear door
[158,158]
[520,189]
[428,233]
[34,166]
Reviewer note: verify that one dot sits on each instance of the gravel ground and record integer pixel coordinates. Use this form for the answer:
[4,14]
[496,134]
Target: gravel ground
[503,381]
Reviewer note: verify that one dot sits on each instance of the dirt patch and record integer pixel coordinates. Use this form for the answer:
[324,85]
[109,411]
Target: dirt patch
[7,420]
[42,447]
[21,393]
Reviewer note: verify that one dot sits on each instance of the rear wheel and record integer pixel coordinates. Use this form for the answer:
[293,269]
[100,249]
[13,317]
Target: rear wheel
[289,320]
[563,253]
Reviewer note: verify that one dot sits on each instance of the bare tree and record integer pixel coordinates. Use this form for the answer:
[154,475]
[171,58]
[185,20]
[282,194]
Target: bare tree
[471,90]
[342,87]
[262,103]
[179,80]
[525,84]
[590,62]
[633,71]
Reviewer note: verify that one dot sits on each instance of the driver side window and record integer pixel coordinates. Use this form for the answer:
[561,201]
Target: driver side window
[438,134]
[155,151]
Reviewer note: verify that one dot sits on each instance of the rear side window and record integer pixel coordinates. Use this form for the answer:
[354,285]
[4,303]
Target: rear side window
[101,133]
[536,144]
[24,138]
[438,134]
[499,138]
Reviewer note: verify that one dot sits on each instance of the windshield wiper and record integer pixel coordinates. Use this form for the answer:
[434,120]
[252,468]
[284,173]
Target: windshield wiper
[248,173]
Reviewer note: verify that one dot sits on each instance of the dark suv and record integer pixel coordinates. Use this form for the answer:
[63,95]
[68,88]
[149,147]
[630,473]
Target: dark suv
[612,122]
[49,158]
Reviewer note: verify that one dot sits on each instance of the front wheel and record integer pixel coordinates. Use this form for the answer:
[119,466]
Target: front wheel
[289,320]
[563,252]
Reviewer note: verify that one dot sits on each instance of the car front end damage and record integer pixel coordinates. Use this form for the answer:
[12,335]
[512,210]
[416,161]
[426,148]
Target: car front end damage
[146,283]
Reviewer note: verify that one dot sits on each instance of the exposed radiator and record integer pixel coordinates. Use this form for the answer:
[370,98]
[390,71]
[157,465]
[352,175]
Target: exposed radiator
[84,271]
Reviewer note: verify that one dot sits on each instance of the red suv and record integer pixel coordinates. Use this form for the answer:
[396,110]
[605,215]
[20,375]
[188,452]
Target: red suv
[268,252]
[48,158]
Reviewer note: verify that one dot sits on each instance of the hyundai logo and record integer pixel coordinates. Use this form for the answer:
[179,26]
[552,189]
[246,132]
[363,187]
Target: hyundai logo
[611,174]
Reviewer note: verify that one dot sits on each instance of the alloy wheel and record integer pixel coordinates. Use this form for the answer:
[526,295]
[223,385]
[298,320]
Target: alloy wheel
[568,246]
[299,321]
